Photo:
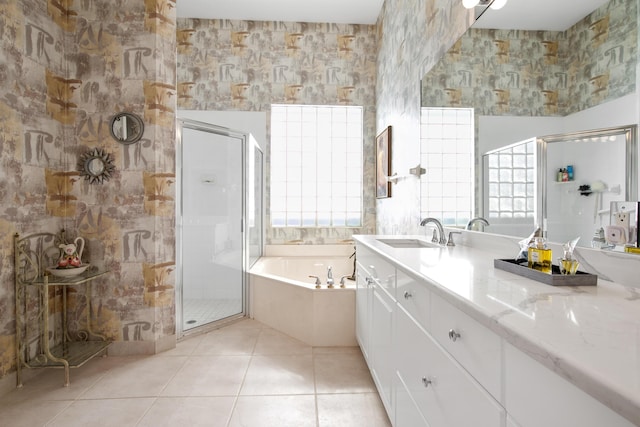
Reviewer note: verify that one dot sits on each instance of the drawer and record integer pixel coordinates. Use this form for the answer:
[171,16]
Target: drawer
[474,346]
[380,270]
[446,395]
[407,413]
[413,295]
[538,397]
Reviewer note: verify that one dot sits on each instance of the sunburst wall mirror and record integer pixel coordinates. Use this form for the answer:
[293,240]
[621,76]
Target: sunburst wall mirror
[96,166]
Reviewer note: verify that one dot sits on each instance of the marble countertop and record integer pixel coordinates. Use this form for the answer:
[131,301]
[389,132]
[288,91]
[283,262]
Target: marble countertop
[589,335]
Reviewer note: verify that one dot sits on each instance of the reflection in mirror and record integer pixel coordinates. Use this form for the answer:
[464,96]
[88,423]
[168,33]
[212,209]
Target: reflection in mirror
[509,188]
[447,152]
[602,168]
[562,73]
[95,166]
[126,128]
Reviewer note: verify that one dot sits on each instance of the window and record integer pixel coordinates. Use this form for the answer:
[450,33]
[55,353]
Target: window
[447,154]
[316,166]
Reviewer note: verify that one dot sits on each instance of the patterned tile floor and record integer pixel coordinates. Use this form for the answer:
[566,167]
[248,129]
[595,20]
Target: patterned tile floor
[244,374]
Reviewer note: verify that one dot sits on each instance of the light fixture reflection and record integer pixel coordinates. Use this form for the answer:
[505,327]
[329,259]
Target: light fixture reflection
[496,4]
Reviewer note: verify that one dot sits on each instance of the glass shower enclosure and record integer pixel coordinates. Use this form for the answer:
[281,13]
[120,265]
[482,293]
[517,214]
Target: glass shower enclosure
[219,222]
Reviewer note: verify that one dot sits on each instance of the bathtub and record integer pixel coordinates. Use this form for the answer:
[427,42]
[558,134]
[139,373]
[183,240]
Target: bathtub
[283,297]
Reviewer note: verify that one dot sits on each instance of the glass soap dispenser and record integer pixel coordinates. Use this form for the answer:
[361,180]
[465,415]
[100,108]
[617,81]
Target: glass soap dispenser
[539,256]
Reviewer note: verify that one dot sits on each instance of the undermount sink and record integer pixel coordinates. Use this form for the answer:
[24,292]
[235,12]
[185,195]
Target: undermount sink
[408,243]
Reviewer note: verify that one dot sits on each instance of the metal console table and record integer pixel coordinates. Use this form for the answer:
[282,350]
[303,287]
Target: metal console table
[40,344]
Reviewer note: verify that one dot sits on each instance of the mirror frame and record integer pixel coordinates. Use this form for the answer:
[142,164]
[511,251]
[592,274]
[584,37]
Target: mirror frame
[89,158]
[631,163]
[135,129]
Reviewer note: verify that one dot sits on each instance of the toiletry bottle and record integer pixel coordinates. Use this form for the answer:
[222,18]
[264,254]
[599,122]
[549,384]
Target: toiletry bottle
[539,256]
[559,175]
[570,172]
[565,175]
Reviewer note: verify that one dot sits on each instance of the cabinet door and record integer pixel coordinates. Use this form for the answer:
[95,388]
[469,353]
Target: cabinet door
[444,392]
[364,290]
[407,413]
[380,349]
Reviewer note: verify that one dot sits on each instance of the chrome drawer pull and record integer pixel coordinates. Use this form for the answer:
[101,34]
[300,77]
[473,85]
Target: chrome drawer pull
[407,295]
[426,382]
[453,335]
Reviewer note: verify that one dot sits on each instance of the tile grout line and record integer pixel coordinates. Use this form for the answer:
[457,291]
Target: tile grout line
[315,386]
[244,377]
[159,393]
[71,402]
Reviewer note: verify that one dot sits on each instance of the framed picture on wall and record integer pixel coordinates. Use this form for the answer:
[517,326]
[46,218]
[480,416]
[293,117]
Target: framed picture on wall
[383,164]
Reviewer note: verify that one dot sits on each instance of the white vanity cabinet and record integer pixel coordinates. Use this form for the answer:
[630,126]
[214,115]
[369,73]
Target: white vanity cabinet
[437,363]
[419,382]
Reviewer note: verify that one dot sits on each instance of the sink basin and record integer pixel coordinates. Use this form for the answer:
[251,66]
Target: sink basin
[408,243]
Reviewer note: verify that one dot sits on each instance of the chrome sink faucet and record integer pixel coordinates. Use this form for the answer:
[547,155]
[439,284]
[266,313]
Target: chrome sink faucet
[442,240]
[479,220]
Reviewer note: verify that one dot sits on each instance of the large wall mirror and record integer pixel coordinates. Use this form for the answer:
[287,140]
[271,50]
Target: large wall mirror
[533,69]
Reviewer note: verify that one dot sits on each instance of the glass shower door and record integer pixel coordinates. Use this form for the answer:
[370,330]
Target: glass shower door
[212,241]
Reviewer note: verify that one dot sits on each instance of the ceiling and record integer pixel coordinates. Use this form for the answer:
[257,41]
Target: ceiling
[551,15]
[332,11]
[522,14]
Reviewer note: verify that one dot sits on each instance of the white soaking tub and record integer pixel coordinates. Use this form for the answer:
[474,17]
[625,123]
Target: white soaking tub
[284,297]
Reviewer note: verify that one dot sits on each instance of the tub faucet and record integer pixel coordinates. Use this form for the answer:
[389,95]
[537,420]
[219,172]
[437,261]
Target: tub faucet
[479,220]
[438,225]
[353,275]
[330,281]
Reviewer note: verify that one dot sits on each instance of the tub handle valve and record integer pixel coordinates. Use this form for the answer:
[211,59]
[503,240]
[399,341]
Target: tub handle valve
[318,282]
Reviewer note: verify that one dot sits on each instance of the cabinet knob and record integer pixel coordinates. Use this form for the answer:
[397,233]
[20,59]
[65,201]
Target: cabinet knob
[453,335]
[426,382]
[407,295]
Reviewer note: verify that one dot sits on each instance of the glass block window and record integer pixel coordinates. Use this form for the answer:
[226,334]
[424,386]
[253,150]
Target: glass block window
[447,154]
[316,166]
[511,181]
